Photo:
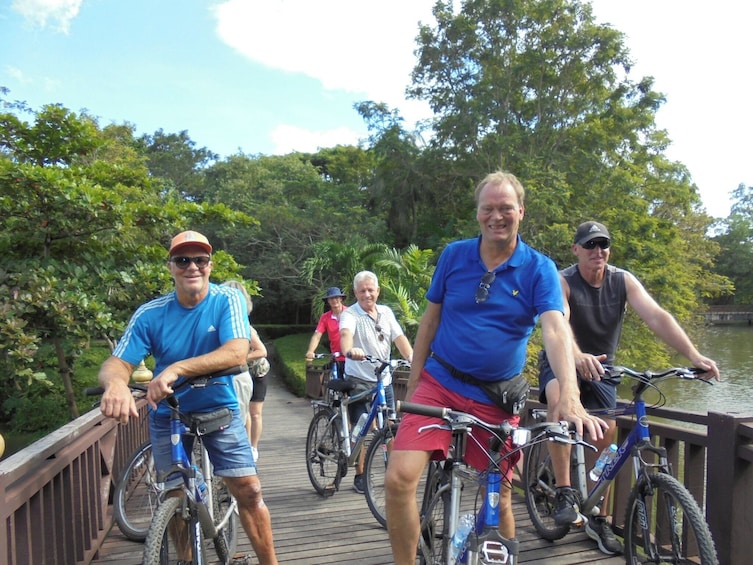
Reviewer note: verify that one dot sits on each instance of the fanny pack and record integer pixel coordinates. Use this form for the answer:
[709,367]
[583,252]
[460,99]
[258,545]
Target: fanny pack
[203,423]
[510,395]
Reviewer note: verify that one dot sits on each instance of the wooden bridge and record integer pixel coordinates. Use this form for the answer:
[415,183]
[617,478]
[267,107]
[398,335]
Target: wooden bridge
[729,314]
[57,509]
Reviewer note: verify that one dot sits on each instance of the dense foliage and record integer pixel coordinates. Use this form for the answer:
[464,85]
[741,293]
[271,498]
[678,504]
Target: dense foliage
[534,87]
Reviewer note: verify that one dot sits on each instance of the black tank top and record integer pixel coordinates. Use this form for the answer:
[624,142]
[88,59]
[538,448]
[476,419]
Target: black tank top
[596,314]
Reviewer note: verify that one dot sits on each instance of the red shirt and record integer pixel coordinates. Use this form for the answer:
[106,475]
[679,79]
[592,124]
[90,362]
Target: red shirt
[331,326]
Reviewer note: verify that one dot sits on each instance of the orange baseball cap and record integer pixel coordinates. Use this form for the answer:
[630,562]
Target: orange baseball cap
[190,238]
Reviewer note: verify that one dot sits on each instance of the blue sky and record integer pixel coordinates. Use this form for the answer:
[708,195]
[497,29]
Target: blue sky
[274,76]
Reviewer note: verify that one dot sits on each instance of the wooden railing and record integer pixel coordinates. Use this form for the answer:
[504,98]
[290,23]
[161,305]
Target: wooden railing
[57,493]
[57,508]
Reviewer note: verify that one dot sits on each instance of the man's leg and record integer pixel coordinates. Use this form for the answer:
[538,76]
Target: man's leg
[404,471]
[566,508]
[254,516]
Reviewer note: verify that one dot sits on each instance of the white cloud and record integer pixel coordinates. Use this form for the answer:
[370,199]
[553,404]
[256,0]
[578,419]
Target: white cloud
[350,45]
[17,74]
[40,12]
[287,138]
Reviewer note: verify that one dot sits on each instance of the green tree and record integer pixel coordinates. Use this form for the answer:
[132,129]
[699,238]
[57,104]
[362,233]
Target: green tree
[83,239]
[300,200]
[735,238]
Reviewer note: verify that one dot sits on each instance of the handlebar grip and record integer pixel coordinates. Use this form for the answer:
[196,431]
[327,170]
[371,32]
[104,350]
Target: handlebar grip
[94,390]
[422,409]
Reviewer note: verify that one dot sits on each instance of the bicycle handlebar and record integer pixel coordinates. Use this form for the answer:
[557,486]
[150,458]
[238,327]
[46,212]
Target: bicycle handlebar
[556,431]
[198,382]
[689,373]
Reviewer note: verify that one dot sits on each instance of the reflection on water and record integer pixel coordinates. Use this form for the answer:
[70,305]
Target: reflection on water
[731,347]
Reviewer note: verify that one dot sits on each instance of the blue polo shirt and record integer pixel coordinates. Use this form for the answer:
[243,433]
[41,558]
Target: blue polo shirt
[488,340]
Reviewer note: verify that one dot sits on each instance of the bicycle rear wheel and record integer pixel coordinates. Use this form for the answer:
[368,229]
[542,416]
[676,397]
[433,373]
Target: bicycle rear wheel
[173,535]
[434,542]
[677,531]
[137,494]
[374,469]
[323,452]
[540,488]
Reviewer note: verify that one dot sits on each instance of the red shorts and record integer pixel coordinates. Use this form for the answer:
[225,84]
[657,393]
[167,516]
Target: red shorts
[430,392]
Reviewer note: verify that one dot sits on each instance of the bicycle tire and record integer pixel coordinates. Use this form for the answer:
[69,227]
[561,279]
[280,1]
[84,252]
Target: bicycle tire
[226,540]
[539,486]
[137,494]
[374,470]
[323,448]
[434,544]
[678,531]
[160,547]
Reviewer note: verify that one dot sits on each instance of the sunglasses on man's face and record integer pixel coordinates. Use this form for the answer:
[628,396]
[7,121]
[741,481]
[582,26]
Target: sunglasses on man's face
[482,292]
[603,243]
[183,262]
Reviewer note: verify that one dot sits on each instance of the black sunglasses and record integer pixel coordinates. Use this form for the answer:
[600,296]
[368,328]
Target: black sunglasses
[183,262]
[378,329]
[482,292]
[603,243]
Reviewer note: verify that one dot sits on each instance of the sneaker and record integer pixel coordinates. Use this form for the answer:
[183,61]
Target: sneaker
[599,530]
[358,485]
[566,509]
[255,453]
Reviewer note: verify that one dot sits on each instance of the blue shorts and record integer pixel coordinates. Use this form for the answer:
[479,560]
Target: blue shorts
[437,441]
[229,449]
[593,394]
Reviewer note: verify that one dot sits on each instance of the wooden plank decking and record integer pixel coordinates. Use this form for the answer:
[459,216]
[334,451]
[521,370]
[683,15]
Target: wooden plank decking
[310,530]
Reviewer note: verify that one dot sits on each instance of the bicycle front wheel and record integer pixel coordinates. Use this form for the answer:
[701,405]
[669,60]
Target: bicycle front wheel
[136,494]
[173,535]
[225,513]
[434,541]
[663,524]
[374,469]
[323,449]
[540,489]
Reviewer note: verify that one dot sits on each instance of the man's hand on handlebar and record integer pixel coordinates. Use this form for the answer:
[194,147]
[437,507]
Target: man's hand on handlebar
[571,410]
[357,354]
[161,387]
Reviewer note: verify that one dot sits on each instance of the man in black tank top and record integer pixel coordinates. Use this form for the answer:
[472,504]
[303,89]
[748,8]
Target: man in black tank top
[596,297]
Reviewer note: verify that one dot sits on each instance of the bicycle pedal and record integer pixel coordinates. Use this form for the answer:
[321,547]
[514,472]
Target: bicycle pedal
[580,521]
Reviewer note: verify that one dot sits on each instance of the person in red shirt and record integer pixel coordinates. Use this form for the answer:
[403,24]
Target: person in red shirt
[330,322]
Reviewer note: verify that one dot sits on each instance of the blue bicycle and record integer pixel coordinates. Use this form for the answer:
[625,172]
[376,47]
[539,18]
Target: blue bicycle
[443,501]
[196,505]
[330,449]
[663,523]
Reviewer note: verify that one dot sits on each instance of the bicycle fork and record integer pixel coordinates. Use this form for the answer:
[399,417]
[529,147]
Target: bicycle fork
[486,546]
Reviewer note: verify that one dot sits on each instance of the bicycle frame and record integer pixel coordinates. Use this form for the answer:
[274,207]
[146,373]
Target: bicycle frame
[485,544]
[376,413]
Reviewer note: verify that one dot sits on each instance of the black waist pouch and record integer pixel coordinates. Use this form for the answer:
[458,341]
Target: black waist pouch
[510,395]
[203,423]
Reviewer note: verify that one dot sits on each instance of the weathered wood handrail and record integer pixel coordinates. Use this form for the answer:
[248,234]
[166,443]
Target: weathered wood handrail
[717,451]
[56,493]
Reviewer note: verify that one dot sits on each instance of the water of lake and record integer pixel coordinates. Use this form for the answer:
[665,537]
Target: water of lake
[731,346]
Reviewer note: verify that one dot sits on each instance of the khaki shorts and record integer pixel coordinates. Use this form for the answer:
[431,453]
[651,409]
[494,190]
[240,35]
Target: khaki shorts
[244,388]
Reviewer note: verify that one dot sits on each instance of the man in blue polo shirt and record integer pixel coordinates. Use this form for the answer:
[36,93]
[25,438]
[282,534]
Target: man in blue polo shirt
[198,329]
[485,299]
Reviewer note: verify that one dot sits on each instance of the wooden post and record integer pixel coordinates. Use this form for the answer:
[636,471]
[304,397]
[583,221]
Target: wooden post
[725,477]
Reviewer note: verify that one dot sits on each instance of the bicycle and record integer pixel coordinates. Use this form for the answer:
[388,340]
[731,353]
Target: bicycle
[663,523]
[329,452]
[443,502]
[197,505]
